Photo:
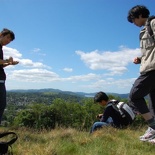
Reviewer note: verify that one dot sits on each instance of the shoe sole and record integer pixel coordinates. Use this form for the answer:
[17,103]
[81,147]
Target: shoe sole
[152,142]
[147,138]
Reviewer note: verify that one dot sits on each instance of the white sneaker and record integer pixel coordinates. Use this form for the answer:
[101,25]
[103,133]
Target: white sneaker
[148,130]
[149,134]
[152,141]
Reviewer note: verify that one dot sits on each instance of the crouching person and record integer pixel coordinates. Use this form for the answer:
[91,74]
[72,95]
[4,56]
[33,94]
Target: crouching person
[116,114]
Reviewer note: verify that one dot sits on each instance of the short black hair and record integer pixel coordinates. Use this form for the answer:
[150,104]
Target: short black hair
[5,32]
[100,96]
[136,11]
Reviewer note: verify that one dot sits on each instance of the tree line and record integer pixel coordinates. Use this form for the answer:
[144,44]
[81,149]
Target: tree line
[58,111]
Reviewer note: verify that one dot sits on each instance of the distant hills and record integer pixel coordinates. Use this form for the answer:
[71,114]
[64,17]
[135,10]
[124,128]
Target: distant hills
[82,94]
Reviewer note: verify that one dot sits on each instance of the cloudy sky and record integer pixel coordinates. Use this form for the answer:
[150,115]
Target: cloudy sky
[72,45]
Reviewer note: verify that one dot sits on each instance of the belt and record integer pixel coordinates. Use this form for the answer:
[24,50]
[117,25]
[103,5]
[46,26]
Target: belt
[2,81]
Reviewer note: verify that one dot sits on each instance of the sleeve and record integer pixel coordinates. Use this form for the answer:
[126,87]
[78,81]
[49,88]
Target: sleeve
[153,26]
[106,114]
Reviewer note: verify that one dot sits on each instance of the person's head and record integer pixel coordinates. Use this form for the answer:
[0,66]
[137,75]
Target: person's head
[6,36]
[138,15]
[101,98]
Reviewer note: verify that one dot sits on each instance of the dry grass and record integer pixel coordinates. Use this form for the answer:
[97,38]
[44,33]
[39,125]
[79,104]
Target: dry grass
[108,141]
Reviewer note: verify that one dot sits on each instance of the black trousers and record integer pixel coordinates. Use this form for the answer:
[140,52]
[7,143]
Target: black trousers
[2,99]
[151,103]
[143,86]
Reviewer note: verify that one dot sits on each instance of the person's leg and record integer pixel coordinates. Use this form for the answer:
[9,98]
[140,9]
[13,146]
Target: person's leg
[142,87]
[109,120]
[98,125]
[151,107]
[151,103]
[2,99]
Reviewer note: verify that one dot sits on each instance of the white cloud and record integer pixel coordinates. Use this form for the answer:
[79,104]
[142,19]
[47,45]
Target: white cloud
[30,63]
[43,75]
[68,69]
[37,74]
[33,75]
[114,62]
[11,52]
[36,50]
[111,84]
[87,77]
[18,57]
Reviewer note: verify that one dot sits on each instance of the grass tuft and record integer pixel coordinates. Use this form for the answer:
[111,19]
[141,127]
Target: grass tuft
[61,141]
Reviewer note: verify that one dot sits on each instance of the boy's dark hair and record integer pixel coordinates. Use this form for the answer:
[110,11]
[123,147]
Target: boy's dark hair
[100,96]
[5,32]
[136,11]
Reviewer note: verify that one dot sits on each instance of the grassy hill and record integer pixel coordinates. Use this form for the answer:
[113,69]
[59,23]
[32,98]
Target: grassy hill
[107,141]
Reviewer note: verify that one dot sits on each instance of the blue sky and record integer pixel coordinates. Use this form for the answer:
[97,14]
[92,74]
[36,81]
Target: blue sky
[72,45]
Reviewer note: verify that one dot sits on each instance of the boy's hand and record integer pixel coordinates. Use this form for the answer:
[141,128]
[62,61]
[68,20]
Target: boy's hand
[10,60]
[99,116]
[14,62]
[137,60]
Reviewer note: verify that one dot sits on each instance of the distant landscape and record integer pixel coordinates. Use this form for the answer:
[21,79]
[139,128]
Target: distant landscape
[82,94]
[49,108]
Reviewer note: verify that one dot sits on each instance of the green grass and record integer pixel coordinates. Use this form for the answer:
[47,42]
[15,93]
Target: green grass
[107,141]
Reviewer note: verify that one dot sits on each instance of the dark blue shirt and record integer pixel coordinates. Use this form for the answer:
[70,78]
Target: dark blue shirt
[2,73]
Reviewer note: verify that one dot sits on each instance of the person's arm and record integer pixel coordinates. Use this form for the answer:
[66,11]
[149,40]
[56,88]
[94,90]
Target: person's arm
[106,114]
[3,61]
[99,116]
[8,62]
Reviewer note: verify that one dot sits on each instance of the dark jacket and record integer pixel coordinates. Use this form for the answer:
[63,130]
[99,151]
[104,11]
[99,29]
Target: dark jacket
[118,121]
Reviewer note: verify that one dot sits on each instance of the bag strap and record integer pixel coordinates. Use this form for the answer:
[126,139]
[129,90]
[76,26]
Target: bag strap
[113,103]
[9,133]
[148,27]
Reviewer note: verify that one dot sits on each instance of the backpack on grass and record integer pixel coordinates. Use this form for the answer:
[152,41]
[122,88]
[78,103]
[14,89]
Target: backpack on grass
[124,109]
[6,146]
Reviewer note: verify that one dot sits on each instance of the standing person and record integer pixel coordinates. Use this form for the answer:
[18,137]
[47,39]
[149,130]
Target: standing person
[110,116]
[6,36]
[145,83]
